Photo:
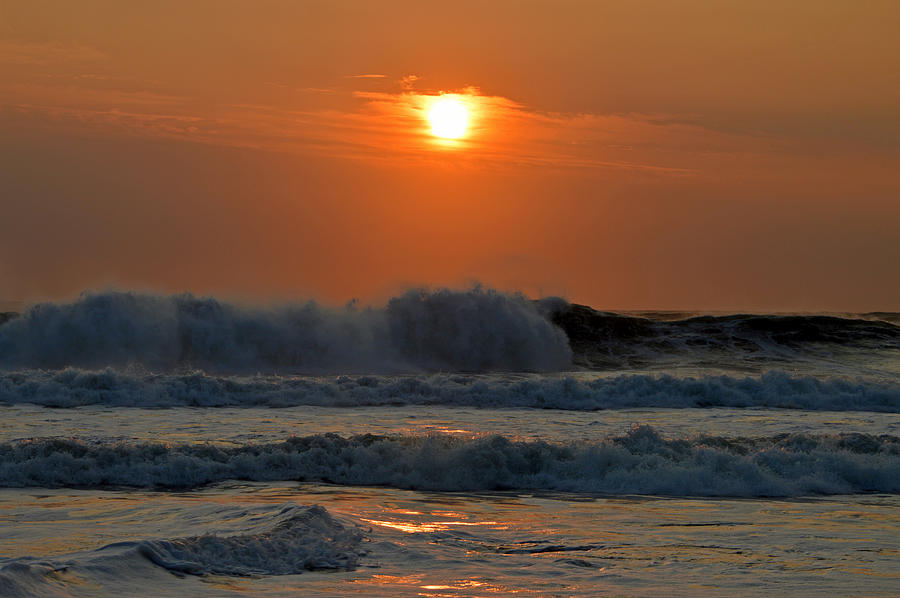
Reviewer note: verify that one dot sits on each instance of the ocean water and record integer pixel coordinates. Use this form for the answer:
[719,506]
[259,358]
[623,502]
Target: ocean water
[452,443]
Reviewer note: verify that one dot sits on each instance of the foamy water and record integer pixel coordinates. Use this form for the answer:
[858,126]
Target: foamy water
[449,444]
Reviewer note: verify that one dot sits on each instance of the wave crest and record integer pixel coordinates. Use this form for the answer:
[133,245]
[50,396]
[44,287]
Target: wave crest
[640,462]
[300,539]
[291,540]
[74,387]
[610,340]
[474,330]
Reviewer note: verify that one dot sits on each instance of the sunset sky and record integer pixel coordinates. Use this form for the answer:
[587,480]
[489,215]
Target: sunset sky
[724,155]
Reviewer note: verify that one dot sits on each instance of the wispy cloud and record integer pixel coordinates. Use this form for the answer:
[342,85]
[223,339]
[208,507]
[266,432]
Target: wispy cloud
[408,82]
[387,126]
[35,54]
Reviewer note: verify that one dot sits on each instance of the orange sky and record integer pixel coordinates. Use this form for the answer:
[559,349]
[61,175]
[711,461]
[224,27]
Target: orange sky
[630,155]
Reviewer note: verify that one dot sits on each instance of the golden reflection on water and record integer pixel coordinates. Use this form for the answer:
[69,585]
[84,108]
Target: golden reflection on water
[482,588]
[413,521]
[694,542]
[413,527]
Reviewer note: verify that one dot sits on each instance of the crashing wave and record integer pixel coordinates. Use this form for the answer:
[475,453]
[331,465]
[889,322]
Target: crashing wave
[640,462]
[475,330]
[73,388]
[478,330]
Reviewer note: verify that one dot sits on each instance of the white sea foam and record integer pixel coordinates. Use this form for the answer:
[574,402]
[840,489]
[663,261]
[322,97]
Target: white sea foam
[74,387]
[640,462]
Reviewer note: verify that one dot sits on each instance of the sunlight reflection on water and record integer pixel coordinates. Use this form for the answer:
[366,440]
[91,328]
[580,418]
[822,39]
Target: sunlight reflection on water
[462,544]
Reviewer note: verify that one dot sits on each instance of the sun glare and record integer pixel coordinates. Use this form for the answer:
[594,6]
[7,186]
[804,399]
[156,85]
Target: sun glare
[449,117]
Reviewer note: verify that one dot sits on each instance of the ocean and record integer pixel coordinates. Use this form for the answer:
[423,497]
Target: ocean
[449,443]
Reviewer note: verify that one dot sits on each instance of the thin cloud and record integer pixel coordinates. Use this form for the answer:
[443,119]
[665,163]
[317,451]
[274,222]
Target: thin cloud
[408,82]
[37,54]
[383,126]
[317,90]
[506,133]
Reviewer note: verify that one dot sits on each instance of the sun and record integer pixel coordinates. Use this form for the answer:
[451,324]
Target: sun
[449,117]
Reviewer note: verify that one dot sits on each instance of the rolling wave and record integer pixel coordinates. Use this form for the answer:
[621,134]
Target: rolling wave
[294,540]
[74,388]
[610,340]
[640,462]
[291,540]
[477,330]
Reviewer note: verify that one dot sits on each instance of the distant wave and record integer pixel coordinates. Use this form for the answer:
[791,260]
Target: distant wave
[609,340]
[74,387]
[640,462]
[290,540]
[474,330]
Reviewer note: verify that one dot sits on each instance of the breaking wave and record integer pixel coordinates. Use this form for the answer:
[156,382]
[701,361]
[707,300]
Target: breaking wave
[290,540]
[74,387]
[640,462]
[478,330]
[474,330]
[296,539]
